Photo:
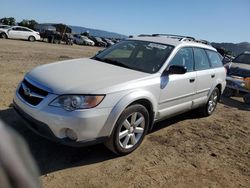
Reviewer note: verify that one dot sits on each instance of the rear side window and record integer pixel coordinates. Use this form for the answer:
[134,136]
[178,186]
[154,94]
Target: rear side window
[201,59]
[185,58]
[214,58]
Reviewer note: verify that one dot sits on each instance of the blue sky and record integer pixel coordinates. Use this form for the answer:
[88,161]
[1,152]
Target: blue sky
[213,20]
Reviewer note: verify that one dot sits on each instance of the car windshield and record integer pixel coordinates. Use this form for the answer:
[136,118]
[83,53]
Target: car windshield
[137,55]
[243,58]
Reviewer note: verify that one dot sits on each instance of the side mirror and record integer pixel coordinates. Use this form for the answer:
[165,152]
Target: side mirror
[176,69]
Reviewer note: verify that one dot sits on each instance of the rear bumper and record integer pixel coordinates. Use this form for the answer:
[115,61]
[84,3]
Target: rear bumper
[43,130]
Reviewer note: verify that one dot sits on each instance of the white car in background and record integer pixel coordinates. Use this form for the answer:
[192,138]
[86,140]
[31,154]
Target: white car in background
[83,40]
[4,27]
[18,32]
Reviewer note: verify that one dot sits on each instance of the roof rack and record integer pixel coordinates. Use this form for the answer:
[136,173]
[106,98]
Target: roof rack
[179,37]
[182,38]
[196,40]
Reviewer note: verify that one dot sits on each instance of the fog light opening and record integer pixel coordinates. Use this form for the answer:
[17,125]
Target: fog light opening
[71,134]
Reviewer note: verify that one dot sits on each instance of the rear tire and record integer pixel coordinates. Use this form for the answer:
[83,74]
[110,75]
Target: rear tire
[3,35]
[211,104]
[31,38]
[129,131]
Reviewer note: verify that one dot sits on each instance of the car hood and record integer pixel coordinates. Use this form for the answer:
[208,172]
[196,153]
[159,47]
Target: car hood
[239,69]
[82,76]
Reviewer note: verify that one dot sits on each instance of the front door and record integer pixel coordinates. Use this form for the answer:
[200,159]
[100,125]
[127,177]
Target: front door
[178,91]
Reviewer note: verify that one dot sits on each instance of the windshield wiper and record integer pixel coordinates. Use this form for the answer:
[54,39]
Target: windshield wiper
[115,62]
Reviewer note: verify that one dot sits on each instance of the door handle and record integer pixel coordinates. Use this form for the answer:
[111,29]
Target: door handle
[191,80]
[212,75]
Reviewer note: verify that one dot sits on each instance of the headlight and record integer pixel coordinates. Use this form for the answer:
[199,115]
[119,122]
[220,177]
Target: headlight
[73,102]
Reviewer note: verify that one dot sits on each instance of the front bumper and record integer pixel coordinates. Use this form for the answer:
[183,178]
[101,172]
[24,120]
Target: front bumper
[52,122]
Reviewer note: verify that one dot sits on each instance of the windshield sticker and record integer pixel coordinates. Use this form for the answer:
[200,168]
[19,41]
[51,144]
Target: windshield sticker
[159,46]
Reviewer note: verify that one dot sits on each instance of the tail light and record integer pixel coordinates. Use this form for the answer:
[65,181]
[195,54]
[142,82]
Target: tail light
[226,69]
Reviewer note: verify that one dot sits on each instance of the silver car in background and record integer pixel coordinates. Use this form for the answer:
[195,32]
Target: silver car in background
[117,96]
[82,40]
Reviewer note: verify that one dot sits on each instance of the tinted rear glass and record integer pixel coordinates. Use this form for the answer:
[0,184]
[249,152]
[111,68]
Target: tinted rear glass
[243,58]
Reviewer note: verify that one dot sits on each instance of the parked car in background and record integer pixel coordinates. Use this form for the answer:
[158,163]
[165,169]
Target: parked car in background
[78,39]
[98,41]
[116,96]
[238,77]
[108,41]
[68,38]
[4,27]
[51,36]
[18,32]
[115,40]
[83,40]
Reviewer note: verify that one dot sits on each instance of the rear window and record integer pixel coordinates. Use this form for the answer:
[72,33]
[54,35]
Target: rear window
[243,58]
[214,58]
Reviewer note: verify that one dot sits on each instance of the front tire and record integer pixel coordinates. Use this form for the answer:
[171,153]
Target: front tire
[129,131]
[31,38]
[211,104]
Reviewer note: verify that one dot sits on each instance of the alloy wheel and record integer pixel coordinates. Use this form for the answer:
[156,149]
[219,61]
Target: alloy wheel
[131,130]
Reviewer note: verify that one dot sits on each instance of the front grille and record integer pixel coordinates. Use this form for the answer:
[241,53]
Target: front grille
[31,94]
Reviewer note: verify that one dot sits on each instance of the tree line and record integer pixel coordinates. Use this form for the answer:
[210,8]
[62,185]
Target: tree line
[62,28]
[12,21]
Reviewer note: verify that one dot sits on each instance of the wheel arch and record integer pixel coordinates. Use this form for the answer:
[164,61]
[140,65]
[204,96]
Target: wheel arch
[219,86]
[3,32]
[144,98]
[148,105]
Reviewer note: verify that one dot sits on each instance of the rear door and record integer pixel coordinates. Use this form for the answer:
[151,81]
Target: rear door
[178,90]
[205,76]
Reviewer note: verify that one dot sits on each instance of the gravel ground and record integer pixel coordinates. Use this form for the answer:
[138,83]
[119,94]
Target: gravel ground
[184,151]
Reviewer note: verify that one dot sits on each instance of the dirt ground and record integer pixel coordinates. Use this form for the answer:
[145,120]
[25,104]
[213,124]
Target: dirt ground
[184,151]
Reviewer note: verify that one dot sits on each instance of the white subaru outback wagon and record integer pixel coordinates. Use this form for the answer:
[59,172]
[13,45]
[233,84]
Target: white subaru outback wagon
[116,96]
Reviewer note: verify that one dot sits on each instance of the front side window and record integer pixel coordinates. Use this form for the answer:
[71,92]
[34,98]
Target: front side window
[201,60]
[137,55]
[185,58]
[214,58]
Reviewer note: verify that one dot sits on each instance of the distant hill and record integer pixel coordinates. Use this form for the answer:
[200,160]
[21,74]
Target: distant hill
[235,48]
[96,32]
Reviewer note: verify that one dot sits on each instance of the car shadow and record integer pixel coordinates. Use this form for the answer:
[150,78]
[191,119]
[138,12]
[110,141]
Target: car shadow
[51,156]
[233,102]
[193,114]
